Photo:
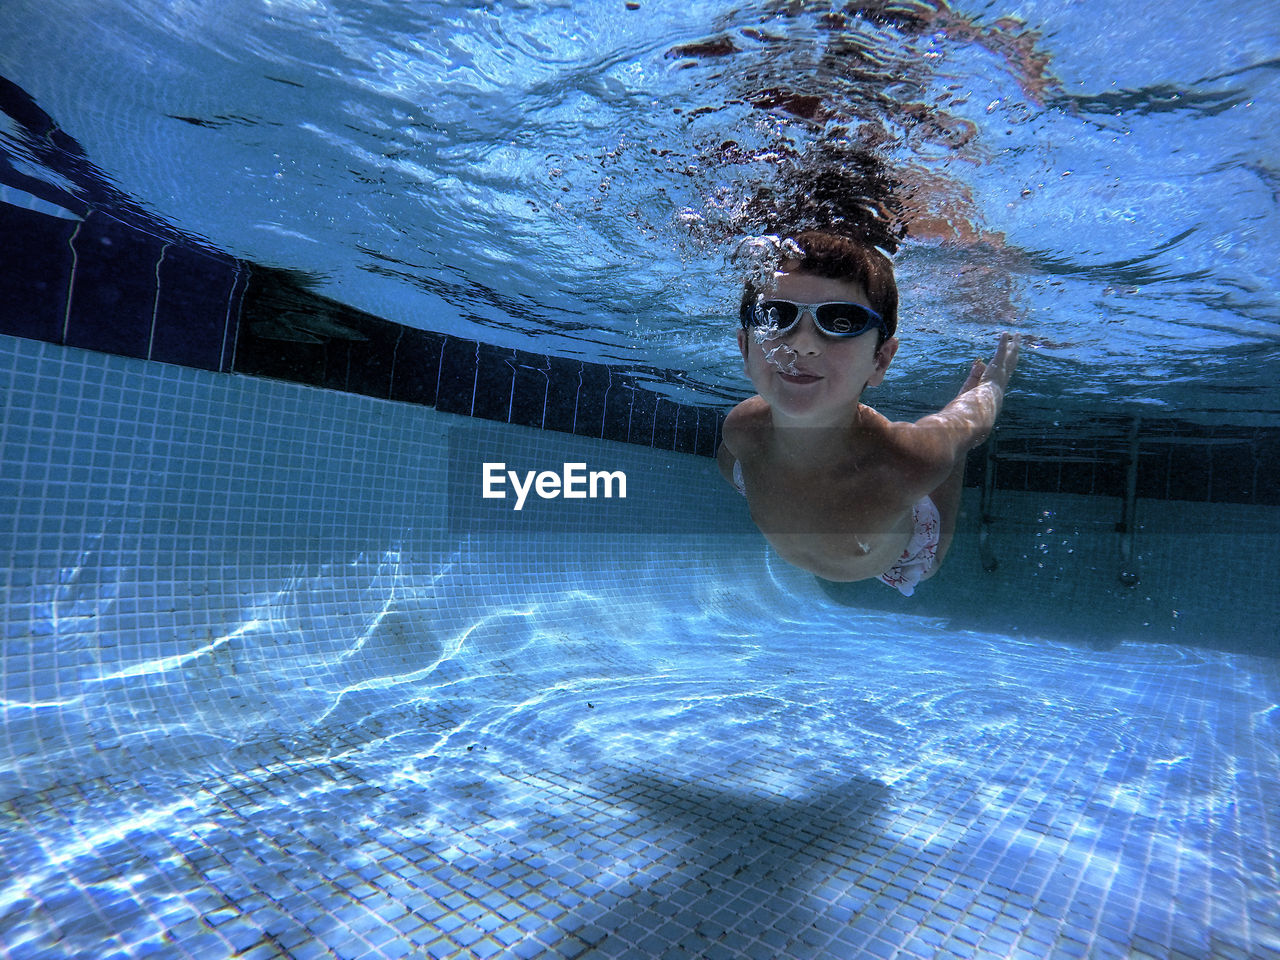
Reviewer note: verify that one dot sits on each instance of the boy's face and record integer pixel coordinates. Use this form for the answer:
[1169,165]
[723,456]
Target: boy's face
[830,372]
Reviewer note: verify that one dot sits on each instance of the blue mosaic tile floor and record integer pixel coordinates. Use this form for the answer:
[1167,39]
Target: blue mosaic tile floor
[840,789]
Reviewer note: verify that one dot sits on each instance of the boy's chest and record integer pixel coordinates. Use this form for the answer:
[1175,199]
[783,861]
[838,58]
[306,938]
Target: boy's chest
[785,500]
[844,529]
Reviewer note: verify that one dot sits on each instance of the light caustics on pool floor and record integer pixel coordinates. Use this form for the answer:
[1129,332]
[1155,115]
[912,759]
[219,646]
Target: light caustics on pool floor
[661,787]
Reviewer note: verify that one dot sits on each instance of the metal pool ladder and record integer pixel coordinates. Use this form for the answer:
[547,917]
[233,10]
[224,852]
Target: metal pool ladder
[1126,526]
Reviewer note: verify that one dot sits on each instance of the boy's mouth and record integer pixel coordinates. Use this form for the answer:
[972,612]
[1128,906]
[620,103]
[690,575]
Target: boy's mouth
[799,377]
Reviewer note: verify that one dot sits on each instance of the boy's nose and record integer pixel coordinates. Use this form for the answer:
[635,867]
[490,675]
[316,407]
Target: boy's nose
[806,338]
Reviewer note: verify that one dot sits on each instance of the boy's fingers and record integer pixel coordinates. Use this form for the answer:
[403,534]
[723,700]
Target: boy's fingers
[1009,346]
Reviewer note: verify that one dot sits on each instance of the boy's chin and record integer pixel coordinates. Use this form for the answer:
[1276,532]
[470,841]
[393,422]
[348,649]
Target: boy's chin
[815,411]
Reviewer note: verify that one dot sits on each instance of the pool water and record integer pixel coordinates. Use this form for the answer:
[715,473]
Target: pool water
[279,277]
[558,176]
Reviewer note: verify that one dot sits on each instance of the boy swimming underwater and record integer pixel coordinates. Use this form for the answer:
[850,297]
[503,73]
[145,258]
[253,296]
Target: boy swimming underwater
[835,487]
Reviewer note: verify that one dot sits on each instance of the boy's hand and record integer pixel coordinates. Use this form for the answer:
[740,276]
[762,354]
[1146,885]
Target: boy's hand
[967,420]
[1000,369]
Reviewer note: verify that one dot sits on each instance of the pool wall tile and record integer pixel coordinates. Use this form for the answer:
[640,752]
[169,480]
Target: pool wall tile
[530,389]
[1040,476]
[458,373]
[361,366]
[495,382]
[35,281]
[685,438]
[115,278]
[664,424]
[617,410]
[416,375]
[1234,469]
[717,438]
[194,306]
[565,384]
[644,411]
[593,391]
[1266,479]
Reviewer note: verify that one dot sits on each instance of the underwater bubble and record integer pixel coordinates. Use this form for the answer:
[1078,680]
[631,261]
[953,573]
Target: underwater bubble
[765,331]
[782,357]
[763,256]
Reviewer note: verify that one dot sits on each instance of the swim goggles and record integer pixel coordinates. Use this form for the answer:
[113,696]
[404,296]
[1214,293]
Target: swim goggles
[778,317]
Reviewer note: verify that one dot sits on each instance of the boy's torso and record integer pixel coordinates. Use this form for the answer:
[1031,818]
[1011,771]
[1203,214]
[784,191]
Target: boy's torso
[847,519]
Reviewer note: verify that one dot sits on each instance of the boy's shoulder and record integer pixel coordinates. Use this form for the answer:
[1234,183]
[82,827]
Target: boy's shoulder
[747,422]
[916,453]
[749,410]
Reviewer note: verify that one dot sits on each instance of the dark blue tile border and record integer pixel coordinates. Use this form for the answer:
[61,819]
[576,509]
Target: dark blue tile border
[114,277]
[456,390]
[617,410]
[708,437]
[644,408]
[495,382]
[288,332]
[36,280]
[168,301]
[664,424]
[530,388]
[193,309]
[565,380]
[593,391]
[415,372]
[182,303]
[168,296]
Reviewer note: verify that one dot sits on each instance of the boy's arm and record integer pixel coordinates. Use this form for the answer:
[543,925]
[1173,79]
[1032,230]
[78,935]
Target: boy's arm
[733,440]
[940,439]
[726,460]
[729,434]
